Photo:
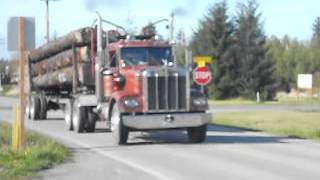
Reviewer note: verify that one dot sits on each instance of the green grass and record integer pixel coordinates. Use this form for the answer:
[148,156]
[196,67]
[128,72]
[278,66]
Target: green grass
[297,124]
[282,100]
[298,100]
[6,88]
[232,101]
[40,153]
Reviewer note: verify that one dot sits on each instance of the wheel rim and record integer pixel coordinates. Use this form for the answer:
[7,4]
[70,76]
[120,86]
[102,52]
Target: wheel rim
[32,109]
[68,116]
[115,119]
[27,112]
[75,118]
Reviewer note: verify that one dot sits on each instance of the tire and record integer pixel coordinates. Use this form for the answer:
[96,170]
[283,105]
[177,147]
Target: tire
[91,121]
[197,134]
[43,107]
[34,108]
[79,116]
[120,133]
[68,114]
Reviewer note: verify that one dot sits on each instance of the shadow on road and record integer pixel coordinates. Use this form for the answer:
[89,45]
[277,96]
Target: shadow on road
[102,130]
[237,135]
[6,108]
[215,135]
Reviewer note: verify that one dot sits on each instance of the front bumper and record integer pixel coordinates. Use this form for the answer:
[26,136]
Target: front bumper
[166,120]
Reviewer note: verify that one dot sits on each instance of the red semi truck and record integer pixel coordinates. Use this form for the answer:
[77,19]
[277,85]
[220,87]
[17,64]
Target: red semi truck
[130,82]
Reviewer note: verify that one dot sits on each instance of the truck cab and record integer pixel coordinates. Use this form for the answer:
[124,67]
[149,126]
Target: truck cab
[145,90]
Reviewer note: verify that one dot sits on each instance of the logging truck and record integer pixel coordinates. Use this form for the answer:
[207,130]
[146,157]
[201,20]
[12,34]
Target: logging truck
[130,82]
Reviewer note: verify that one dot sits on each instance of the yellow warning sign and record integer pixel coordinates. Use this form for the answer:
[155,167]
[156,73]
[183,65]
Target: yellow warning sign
[202,60]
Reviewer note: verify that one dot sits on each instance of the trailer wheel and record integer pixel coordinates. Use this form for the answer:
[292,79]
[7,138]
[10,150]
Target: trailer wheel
[197,134]
[79,116]
[34,107]
[43,107]
[91,122]
[68,114]
[120,133]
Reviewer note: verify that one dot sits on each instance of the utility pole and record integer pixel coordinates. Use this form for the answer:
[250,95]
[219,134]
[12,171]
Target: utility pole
[47,37]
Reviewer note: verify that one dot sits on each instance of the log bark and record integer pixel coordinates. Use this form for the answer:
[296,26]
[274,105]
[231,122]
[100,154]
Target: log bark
[58,78]
[80,37]
[63,78]
[60,61]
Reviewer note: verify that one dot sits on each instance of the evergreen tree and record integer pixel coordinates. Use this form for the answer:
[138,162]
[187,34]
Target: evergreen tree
[200,44]
[316,32]
[180,47]
[213,38]
[256,68]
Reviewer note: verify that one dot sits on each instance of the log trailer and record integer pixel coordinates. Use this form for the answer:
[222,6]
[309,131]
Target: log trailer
[130,82]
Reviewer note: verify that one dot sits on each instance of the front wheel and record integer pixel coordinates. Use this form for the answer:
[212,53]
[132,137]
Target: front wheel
[197,134]
[120,133]
[79,116]
[91,122]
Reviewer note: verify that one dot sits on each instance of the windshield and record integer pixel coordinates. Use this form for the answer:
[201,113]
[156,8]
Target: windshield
[146,56]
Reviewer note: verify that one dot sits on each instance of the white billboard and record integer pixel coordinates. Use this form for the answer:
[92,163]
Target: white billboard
[305,81]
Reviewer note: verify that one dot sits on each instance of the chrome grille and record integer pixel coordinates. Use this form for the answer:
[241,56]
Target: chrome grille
[166,90]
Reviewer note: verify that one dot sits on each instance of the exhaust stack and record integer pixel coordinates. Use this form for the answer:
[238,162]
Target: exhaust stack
[99,60]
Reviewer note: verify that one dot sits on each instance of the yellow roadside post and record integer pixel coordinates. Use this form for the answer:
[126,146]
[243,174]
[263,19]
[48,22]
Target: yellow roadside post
[15,129]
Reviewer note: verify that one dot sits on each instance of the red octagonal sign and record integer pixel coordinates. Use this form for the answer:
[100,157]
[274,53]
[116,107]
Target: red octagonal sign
[202,75]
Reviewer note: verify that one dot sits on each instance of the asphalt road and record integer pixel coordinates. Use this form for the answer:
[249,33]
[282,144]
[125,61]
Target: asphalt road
[228,153]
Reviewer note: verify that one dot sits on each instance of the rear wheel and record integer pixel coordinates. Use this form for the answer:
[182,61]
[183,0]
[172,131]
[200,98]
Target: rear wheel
[43,107]
[34,108]
[68,114]
[197,134]
[79,116]
[120,133]
[91,121]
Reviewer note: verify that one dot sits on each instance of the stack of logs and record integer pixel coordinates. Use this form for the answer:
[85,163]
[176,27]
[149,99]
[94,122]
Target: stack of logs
[52,64]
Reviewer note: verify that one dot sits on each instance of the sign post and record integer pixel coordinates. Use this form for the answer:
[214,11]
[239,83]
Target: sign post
[21,37]
[21,81]
[202,74]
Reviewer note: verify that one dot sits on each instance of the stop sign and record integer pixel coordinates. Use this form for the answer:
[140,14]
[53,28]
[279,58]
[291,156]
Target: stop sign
[202,75]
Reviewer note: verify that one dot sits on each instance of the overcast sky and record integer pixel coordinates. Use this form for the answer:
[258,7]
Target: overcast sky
[280,17]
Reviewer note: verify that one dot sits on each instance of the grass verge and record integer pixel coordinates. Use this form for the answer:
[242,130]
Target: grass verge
[282,100]
[5,89]
[297,124]
[40,153]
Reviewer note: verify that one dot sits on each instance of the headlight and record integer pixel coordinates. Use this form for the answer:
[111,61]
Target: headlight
[200,101]
[131,103]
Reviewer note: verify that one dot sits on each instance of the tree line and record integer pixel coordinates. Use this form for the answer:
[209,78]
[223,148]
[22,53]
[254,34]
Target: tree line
[246,61]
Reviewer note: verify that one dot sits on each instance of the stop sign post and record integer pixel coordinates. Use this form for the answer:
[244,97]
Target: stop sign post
[202,74]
